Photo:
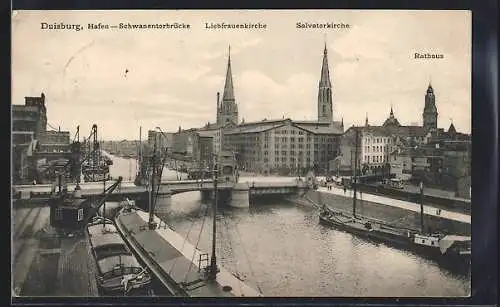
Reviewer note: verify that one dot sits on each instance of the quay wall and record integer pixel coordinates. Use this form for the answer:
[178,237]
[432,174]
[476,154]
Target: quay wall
[392,215]
[455,205]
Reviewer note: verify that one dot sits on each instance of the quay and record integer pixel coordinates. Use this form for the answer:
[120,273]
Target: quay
[46,264]
[428,210]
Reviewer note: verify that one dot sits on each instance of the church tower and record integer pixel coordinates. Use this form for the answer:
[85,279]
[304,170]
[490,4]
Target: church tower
[227,108]
[325,104]
[430,113]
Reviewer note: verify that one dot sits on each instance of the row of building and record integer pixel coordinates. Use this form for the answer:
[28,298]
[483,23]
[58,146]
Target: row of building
[287,146]
[35,150]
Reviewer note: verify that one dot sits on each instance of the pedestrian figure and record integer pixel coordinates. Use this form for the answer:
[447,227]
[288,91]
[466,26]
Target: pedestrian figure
[345,189]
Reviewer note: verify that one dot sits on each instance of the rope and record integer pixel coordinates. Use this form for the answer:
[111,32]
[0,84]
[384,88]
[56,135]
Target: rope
[183,243]
[197,242]
[247,259]
[231,251]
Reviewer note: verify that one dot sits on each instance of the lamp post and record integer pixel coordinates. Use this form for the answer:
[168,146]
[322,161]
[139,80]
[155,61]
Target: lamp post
[163,144]
[421,206]
[213,260]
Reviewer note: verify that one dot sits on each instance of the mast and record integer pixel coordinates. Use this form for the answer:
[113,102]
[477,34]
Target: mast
[104,205]
[212,273]
[421,207]
[152,185]
[140,152]
[354,183]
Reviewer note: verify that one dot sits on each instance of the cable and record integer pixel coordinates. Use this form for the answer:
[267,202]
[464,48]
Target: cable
[231,251]
[183,244]
[196,246]
[247,259]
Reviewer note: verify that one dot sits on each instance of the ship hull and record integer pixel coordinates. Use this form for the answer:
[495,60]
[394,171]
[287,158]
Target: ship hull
[110,283]
[374,235]
[452,259]
[145,259]
[176,264]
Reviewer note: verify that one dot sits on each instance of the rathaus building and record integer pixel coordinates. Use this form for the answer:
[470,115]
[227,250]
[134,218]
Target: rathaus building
[279,146]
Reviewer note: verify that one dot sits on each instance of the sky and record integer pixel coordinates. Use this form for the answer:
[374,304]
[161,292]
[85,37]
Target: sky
[124,79]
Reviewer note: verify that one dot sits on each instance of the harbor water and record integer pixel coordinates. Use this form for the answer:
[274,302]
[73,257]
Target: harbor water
[280,249]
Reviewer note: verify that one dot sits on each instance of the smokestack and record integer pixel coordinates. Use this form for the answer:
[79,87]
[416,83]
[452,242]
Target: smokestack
[218,101]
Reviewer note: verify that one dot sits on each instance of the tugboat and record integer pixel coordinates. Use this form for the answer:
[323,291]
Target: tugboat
[447,249]
[118,271]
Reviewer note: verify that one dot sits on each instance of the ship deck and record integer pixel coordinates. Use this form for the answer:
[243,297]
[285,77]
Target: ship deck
[359,223]
[45,263]
[177,260]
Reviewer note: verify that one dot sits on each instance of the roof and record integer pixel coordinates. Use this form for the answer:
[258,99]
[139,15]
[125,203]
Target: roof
[209,126]
[407,131]
[21,107]
[320,129]
[253,128]
[109,263]
[206,133]
[72,202]
[309,126]
[375,130]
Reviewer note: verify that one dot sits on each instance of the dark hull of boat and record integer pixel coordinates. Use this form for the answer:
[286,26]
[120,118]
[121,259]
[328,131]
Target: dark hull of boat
[375,235]
[452,259]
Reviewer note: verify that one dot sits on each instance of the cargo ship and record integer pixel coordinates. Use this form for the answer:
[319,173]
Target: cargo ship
[118,271]
[447,249]
[181,268]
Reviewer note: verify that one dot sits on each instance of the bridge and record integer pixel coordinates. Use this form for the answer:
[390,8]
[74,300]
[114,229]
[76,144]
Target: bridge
[240,192]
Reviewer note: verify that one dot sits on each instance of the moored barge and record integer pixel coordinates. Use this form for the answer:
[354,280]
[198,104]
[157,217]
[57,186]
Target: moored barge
[450,250]
[118,271]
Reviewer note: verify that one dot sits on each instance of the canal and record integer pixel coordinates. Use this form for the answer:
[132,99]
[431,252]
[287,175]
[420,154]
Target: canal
[280,249]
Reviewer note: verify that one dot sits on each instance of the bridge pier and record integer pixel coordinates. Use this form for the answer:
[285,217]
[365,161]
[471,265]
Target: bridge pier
[240,196]
[163,203]
[206,195]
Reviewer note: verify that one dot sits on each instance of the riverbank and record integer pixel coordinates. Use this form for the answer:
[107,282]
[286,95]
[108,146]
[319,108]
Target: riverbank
[393,215]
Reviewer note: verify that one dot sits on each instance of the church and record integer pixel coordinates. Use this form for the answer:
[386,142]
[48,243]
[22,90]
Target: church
[277,146]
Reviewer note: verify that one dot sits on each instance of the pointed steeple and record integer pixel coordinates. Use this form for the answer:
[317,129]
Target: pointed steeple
[325,100]
[452,129]
[229,108]
[325,72]
[430,113]
[391,115]
[228,86]
[366,120]
[430,90]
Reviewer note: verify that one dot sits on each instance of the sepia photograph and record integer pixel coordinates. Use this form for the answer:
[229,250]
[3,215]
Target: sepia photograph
[241,153]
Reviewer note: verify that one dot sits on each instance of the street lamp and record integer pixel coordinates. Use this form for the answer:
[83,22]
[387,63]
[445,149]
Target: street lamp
[421,206]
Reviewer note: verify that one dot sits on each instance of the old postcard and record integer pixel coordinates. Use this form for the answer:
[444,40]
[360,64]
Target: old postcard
[241,153]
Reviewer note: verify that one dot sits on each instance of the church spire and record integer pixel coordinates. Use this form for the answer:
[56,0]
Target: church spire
[325,103]
[325,72]
[228,86]
[366,120]
[228,106]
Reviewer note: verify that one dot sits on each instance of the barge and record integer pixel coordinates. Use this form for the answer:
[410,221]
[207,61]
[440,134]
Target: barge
[118,271]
